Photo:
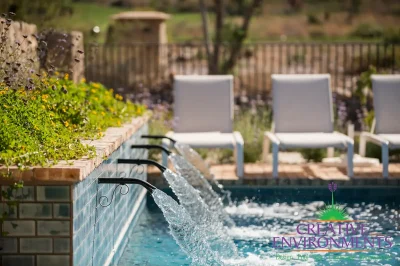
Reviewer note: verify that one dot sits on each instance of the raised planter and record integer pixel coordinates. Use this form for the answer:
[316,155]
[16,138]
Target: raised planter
[58,220]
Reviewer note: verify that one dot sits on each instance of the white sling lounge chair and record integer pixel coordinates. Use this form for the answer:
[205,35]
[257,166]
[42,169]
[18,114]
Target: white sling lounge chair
[203,106]
[303,117]
[386,126]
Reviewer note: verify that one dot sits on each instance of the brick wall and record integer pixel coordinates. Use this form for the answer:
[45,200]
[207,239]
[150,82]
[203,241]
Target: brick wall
[63,224]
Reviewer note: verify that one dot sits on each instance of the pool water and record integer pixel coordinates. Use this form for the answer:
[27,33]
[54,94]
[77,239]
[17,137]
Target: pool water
[261,214]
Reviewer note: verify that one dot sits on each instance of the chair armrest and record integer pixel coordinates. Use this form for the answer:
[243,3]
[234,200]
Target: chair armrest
[238,137]
[271,136]
[345,137]
[374,138]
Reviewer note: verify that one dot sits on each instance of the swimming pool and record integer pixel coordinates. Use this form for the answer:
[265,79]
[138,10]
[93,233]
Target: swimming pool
[261,214]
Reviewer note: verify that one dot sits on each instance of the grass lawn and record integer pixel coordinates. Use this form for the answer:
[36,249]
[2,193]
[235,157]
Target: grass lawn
[274,23]
[88,15]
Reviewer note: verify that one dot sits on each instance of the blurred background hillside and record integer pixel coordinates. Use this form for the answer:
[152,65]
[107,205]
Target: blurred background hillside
[276,19]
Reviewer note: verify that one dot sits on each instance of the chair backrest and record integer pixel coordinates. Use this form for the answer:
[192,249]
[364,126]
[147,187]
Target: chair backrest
[302,103]
[203,103]
[386,89]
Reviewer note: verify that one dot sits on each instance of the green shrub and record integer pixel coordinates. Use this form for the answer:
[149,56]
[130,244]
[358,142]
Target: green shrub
[368,31]
[313,19]
[392,36]
[313,155]
[252,124]
[375,151]
[46,123]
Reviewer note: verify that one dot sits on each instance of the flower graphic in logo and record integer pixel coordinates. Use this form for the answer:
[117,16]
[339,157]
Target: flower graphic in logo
[332,212]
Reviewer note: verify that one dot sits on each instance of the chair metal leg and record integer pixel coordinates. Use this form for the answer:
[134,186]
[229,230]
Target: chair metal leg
[275,162]
[239,154]
[385,160]
[350,153]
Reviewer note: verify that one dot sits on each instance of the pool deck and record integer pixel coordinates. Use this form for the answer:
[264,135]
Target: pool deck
[294,175]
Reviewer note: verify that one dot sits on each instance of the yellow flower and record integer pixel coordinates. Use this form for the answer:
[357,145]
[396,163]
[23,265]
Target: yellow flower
[43,107]
[83,80]
[103,114]
[94,112]
[66,123]
[93,90]
[119,122]
[57,73]
[66,76]
[51,114]
[44,97]
[64,110]
[96,85]
[118,97]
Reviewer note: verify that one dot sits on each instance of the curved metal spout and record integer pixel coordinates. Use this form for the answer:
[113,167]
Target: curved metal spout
[150,146]
[158,137]
[142,161]
[124,181]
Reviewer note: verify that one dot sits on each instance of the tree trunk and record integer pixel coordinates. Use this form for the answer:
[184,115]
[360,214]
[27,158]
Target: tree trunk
[219,24]
[238,43]
[206,33]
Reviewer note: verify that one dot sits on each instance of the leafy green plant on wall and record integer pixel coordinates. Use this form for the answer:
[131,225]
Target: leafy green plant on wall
[45,115]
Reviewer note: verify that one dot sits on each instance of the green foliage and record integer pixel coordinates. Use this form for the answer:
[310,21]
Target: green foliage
[39,12]
[46,124]
[375,151]
[313,155]
[368,31]
[313,19]
[365,83]
[8,195]
[392,35]
[252,124]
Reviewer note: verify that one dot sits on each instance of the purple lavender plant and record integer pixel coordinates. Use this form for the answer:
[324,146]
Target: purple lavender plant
[332,188]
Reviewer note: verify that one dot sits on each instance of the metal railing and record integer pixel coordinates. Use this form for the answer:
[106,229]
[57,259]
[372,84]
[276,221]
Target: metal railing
[139,65]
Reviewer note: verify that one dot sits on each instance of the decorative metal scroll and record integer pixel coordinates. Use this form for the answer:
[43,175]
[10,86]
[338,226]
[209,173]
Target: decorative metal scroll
[109,201]
[134,170]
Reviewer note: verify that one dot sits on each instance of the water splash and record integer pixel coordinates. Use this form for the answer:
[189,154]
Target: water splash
[214,231]
[198,181]
[197,161]
[186,233]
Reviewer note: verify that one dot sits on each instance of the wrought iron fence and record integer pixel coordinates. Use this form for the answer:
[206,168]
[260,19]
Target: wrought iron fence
[137,66]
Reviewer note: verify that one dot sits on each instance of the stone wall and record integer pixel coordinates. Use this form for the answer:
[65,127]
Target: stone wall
[64,52]
[58,219]
[14,34]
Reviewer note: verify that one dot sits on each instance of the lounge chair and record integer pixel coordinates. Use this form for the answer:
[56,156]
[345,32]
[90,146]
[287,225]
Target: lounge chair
[303,117]
[203,109]
[386,127]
